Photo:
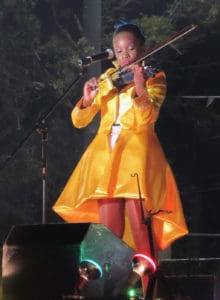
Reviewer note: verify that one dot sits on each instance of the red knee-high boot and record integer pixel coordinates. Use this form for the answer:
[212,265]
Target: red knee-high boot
[140,233]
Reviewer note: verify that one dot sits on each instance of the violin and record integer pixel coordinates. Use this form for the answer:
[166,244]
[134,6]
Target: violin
[125,76]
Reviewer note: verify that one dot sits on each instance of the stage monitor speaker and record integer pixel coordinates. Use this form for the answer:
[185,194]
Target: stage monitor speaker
[41,262]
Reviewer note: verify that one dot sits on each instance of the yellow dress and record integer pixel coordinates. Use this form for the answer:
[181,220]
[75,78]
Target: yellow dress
[103,172]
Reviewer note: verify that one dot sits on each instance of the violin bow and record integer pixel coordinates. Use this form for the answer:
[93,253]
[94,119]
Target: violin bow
[187,29]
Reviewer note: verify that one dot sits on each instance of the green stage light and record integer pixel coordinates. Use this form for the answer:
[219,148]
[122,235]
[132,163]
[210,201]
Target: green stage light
[132,293]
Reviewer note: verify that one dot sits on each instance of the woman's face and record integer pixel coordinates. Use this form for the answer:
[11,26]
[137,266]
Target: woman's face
[127,48]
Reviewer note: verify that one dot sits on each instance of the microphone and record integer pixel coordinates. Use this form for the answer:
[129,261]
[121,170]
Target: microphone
[88,60]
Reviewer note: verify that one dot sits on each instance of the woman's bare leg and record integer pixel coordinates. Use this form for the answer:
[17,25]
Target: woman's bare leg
[112,215]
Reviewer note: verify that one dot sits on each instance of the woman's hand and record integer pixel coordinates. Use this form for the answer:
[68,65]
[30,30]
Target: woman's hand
[90,90]
[139,79]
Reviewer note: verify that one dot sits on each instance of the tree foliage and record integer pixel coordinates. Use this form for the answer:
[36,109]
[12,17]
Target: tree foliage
[38,65]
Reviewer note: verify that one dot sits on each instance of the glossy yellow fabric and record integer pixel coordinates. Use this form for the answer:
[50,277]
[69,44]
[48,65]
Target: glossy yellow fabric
[102,173]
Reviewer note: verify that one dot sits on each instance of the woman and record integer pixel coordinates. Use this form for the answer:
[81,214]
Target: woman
[103,187]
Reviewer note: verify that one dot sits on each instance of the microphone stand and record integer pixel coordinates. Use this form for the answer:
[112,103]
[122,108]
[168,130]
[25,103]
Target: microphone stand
[42,129]
[148,222]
